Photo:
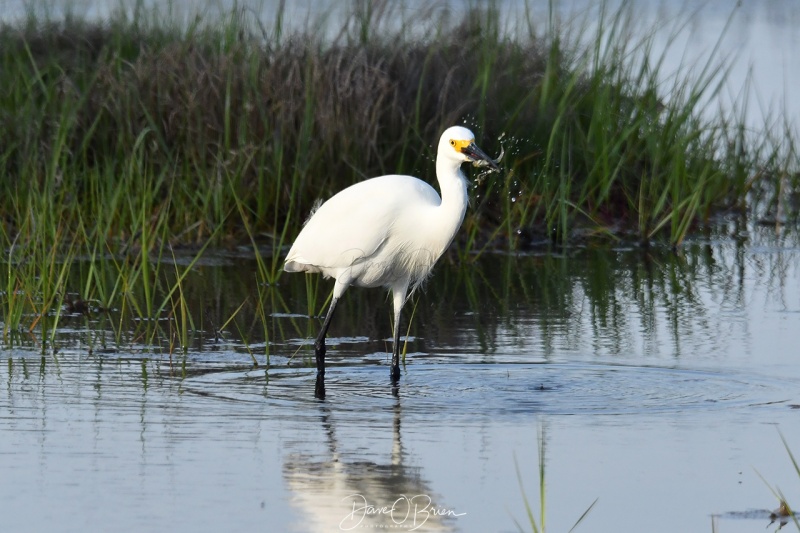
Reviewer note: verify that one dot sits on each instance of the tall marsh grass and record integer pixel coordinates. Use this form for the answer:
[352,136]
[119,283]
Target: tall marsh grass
[127,139]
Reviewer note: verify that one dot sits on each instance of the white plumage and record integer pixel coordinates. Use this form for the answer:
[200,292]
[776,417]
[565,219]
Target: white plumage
[387,232]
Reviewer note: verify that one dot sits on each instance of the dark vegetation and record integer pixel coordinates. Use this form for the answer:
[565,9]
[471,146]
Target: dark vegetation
[231,131]
[124,139]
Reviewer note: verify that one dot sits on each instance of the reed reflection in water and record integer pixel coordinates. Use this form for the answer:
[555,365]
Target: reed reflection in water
[637,360]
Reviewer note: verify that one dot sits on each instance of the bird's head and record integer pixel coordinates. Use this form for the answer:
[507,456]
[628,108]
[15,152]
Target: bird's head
[458,143]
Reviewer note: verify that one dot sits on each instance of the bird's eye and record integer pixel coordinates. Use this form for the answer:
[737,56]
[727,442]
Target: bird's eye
[453,143]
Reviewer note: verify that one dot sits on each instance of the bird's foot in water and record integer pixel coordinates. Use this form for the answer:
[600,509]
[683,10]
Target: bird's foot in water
[319,388]
[319,353]
[394,374]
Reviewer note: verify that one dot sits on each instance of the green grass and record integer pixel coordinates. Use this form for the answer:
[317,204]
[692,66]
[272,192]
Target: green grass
[225,125]
[784,506]
[538,526]
[127,140]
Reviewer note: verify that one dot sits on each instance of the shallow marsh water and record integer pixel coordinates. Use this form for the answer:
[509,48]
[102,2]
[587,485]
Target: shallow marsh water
[657,382]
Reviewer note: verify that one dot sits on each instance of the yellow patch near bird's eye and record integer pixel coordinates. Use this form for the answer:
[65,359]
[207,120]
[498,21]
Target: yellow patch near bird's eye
[459,145]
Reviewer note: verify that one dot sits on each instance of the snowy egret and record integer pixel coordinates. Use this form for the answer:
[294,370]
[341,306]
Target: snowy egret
[387,232]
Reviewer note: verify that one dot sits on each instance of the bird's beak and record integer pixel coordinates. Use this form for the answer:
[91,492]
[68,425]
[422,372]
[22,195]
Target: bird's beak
[479,157]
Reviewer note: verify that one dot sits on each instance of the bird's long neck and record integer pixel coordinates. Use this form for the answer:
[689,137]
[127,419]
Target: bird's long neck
[453,185]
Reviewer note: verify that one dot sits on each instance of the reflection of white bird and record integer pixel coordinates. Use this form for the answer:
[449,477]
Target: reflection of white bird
[387,231]
[340,488]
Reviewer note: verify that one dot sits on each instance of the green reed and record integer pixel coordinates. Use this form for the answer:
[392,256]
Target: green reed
[784,513]
[125,140]
[539,526]
[784,505]
[225,114]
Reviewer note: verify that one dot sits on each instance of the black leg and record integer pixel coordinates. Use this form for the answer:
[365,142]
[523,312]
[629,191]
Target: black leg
[395,372]
[319,343]
[319,388]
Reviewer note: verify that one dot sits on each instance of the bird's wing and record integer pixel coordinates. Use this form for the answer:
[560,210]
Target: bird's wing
[354,223]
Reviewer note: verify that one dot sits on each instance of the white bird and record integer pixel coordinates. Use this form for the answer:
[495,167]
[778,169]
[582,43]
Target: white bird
[388,232]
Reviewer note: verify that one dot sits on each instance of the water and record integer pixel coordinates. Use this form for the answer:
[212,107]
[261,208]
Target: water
[659,384]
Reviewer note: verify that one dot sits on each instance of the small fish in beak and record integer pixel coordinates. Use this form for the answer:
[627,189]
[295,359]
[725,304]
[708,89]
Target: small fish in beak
[493,164]
[480,159]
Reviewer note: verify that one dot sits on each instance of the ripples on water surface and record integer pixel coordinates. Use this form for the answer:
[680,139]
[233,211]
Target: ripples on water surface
[658,383]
